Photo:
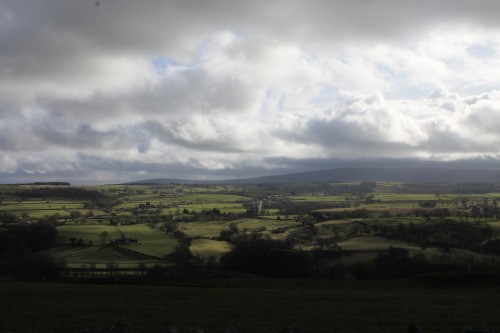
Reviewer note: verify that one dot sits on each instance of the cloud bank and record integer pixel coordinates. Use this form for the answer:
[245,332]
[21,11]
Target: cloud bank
[131,90]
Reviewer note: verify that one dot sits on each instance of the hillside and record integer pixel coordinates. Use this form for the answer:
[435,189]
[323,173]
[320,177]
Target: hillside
[406,175]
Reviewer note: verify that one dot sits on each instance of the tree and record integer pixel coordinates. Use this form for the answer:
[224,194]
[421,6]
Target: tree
[104,237]
[182,256]
[74,214]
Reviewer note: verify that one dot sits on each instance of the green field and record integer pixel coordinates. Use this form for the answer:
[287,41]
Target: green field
[212,228]
[153,247]
[206,248]
[320,198]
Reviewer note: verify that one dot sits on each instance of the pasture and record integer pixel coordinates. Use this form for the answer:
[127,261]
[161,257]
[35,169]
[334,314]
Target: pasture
[152,247]
[206,248]
[211,229]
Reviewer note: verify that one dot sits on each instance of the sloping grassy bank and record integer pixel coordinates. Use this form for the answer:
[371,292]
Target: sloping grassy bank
[252,305]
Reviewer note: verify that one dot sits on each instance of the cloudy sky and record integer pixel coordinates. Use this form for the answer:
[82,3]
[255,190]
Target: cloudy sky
[122,90]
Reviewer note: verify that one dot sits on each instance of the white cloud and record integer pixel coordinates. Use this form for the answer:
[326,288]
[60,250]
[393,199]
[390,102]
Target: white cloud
[151,87]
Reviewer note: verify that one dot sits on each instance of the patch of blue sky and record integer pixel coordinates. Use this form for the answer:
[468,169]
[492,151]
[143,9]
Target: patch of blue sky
[476,90]
[388,70]
[401,89]
[403,92]
[281,102]
[273,101]
[162,63]
[327,96]
[480,50]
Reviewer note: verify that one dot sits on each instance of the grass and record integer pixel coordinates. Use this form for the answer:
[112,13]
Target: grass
[153,243]
[203,228]
[205,248]
[212,228]
[103,255]
[85,232]
[317,198]
[404,197]
[199,207]
[268,224]
[196,197]
[375,243]
[250,305]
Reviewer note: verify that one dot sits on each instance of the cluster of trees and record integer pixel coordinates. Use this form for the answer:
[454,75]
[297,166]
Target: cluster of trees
[93,198]
[272,258]
[266,257]
[445,235]
[19,244]
[398,263]
[75,193]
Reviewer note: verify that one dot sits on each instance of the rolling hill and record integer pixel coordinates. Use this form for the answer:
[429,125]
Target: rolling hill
[407,175]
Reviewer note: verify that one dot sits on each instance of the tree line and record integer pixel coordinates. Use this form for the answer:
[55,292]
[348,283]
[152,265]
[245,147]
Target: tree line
[20,244]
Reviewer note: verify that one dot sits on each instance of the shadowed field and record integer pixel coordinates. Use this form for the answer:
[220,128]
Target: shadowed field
[251,305]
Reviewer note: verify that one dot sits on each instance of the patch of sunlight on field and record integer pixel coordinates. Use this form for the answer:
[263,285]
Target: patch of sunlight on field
[387,205]
[142,198]
[492,195]
[495,225]
[212,228]
[374,243]
[127,204]
[42,213]
[153,242]
[335,223]
[211,197]
[404,197]
[86,232]
[250,225]
[206,248]
[317,198]
[224,207]
[203,228]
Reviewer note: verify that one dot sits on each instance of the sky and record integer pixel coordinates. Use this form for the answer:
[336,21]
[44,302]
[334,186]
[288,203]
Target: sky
[109,91]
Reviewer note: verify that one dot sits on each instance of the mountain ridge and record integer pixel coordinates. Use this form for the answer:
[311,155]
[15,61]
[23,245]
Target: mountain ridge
[395,174]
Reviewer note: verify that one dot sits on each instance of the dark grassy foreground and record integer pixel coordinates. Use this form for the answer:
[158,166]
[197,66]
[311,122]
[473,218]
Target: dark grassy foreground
[250,305]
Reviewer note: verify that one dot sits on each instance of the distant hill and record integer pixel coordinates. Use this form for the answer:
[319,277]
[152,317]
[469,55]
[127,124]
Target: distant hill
[406,175]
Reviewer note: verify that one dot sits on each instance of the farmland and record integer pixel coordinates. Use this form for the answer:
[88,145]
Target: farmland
[134,226]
